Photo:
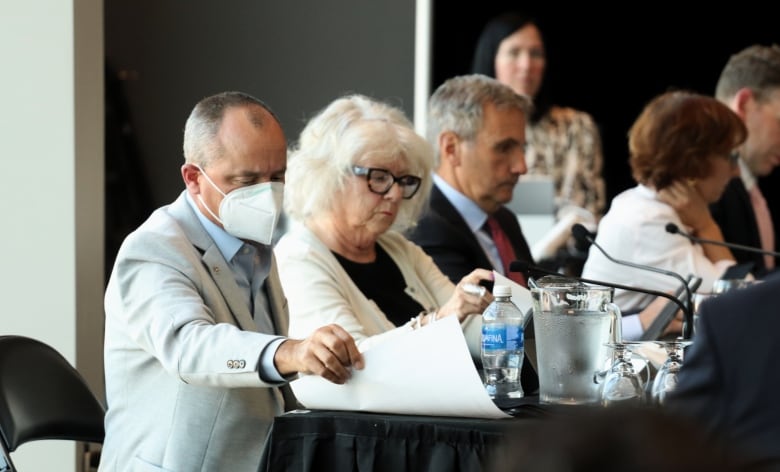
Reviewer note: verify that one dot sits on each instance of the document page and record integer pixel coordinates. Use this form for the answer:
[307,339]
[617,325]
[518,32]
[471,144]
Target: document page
[427,371]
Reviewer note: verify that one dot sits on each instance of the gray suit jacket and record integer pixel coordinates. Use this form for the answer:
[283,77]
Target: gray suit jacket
[181,353]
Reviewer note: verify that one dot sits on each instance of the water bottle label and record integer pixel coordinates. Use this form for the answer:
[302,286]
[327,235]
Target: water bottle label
[502,337]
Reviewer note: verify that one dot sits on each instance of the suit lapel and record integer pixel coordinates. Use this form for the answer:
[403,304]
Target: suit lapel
[506,219]
[231,292]
[212,259]
[443,207]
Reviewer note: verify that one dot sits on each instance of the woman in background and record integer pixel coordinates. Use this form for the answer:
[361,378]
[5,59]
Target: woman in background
[563,143]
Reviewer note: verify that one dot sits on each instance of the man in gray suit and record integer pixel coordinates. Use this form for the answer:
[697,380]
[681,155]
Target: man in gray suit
[195,315]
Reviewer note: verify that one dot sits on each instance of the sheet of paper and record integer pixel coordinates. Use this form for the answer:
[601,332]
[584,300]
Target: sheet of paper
[428,371]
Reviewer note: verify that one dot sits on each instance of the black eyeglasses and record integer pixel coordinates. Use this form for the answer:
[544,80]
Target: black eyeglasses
[380,181]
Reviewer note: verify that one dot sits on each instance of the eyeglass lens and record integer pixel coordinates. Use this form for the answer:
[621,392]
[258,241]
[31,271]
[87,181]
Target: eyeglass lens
[380,181]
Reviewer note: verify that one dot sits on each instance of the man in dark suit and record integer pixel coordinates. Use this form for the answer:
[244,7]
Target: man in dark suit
[750,85]
[730,377]
[477,128]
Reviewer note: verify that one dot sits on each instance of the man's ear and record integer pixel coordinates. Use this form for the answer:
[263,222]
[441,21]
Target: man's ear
[449,148]
[190,173]
[741,101]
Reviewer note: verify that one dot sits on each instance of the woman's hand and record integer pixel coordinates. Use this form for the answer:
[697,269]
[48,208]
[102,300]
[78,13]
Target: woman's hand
[688,203]
[695,213]
[466,300]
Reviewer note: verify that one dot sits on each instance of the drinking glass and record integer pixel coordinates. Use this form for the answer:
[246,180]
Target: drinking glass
[698,299]
[719,287]
[726,285]
[666,379]
[622,384]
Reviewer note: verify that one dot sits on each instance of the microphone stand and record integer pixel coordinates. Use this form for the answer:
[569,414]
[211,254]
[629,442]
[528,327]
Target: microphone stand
[674,229]
[581,233]
[528,269]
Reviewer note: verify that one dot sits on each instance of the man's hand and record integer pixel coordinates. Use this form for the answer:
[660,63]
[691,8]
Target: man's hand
[329,352]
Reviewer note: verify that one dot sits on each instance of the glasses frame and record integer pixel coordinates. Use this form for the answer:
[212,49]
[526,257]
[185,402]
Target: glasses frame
[404,182]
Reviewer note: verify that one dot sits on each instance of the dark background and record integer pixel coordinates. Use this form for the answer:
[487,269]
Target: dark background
[163,56]
[611,62]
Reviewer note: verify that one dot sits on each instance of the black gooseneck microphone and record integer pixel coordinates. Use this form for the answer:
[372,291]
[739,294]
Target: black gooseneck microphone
[528,269]
[581,233]
[674,229]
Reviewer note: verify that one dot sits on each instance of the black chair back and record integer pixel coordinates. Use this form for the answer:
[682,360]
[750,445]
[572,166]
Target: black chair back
[42,396]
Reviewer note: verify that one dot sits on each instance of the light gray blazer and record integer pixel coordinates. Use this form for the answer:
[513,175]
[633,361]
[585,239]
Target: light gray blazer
[181,353]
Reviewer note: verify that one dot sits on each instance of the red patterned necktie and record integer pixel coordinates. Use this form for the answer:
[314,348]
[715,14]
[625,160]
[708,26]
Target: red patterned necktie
[505,250]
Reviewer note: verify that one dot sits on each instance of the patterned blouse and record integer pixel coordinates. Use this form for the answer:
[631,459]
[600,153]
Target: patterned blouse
[565,144]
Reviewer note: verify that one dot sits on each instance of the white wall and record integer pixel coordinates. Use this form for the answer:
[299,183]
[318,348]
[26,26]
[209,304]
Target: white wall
[51,192]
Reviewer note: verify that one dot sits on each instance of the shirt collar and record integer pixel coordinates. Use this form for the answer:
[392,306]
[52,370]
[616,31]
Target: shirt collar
[646,191]
[744,173]
[228,245]
[471,212]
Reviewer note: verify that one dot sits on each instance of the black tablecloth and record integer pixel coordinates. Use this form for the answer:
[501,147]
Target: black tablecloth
[307,440]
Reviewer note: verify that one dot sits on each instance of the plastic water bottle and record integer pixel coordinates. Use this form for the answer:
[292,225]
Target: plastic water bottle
[502,345]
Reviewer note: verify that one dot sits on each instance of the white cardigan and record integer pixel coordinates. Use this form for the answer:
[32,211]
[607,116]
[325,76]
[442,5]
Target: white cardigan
[319,291]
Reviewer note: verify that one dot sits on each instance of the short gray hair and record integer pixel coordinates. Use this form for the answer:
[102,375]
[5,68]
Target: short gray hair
[756,67]
[200,131]
[346,133]
[457,106]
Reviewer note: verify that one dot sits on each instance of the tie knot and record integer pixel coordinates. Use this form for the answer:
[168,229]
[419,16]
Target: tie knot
[492,226]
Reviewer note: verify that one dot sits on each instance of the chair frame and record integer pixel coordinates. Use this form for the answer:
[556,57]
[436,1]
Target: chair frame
[42,396]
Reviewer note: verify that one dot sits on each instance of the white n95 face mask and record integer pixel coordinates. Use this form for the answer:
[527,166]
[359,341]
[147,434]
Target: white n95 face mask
[250,212]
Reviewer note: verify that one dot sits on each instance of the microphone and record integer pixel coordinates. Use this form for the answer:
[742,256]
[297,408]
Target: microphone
[580,233]
[528,269]
[674,229]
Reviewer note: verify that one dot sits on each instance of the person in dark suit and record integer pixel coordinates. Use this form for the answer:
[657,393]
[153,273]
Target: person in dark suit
[730,377]
[477,128]
[750,85]
[460,250]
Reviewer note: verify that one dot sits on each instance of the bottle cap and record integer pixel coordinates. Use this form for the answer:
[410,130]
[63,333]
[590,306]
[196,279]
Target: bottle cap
[502,291]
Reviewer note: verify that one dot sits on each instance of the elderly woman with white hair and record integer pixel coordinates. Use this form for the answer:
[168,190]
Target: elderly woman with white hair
[357,178]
